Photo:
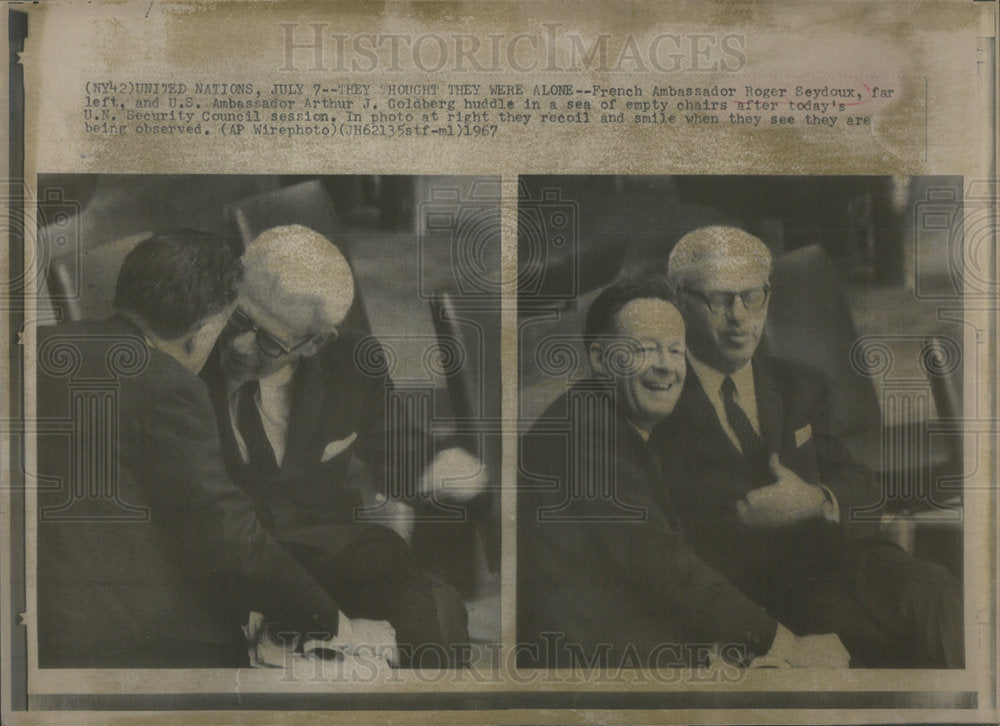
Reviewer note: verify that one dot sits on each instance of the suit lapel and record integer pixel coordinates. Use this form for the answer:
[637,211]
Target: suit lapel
[769,412]
[212,375]
[308,392]
[696,409]
[649,453]
[699,426]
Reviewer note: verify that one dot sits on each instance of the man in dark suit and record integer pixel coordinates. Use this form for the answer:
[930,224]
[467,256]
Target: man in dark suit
[606,576]
[300,398]
[148,555]
[765,488]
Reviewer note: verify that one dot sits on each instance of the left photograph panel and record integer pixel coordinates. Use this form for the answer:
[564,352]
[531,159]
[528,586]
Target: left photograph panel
[264,434]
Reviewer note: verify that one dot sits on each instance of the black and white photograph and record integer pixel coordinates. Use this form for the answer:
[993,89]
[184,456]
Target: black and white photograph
[528,361]
[261,405]
[740,422]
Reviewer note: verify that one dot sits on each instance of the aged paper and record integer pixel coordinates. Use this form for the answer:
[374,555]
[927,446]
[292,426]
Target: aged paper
[487,169]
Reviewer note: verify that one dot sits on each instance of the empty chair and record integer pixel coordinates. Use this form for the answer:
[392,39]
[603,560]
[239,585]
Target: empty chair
[82,284]
[306,203]
[809,321]
[472,375]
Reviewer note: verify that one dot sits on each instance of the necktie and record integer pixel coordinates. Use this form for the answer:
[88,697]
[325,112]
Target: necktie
[750,441]
[262,459]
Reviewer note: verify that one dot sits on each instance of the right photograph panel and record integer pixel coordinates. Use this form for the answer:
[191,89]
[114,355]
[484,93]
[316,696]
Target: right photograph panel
[741,406]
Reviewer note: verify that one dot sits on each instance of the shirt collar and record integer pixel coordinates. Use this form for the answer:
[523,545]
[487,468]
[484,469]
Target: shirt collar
[711,379]
[281,377]
[643,434]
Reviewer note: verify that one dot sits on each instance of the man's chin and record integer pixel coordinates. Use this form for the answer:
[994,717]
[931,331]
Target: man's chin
[234,370]
[651,416]
[733,365]
[660,406]
[738,356]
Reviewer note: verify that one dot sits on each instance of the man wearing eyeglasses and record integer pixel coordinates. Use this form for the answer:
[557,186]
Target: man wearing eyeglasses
[764,488]
[294,411]
[605,574]
[148,555]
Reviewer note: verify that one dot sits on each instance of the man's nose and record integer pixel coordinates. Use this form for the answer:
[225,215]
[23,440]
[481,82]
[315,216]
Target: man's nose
[661,360]
[737,310]
[244,343]
[672,365]
[666,362]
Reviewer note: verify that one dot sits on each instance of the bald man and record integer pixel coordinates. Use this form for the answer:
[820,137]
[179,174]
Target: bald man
[148,556]
[294,411]
[765,488]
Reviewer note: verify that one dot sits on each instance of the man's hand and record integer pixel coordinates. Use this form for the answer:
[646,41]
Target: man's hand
[455,476]
[809,651]
[819,651]
[787,501]
[366,638]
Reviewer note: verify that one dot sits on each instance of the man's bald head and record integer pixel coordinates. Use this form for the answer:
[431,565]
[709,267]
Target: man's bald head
[301,272]
[297,290]
[716,248]
[721,278]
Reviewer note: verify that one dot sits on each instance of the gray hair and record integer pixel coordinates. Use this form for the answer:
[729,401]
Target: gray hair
[296,267]
[716,244]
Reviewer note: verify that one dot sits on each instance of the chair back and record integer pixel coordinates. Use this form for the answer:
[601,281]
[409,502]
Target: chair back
[306,203]
[82,286]
[809,321]
[474,390]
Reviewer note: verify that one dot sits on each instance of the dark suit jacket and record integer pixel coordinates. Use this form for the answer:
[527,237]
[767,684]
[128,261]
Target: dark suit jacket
[163,564]
[601,555]
[312,501]
[709,475]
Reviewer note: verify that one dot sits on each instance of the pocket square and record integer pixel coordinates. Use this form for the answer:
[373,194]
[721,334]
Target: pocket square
[803,435]
[334,448]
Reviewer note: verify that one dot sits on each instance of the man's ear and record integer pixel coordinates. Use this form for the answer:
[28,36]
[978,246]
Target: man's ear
[595,354]
[685,305]
[317,343]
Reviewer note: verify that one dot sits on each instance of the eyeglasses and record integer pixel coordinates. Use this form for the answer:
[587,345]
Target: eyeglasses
[722,302]
[267,343]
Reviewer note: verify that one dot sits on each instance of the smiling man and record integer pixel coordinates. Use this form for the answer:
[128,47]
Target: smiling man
[765,488]
[296,413]
[639,346]
[606,577]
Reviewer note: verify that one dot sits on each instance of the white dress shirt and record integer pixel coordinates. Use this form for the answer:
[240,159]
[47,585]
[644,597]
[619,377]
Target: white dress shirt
[746,394]
[746,397]
[274,402]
